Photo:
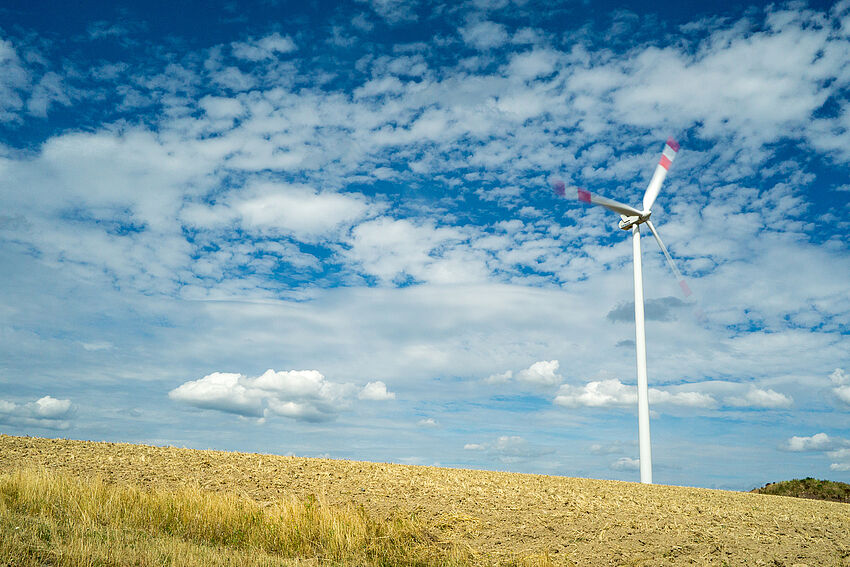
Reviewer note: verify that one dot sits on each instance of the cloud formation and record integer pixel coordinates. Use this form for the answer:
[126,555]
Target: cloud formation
[302,395]
[44,413]
[376,391]
[841,381]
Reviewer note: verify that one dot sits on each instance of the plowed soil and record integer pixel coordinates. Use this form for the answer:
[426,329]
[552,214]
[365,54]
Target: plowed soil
[498,515]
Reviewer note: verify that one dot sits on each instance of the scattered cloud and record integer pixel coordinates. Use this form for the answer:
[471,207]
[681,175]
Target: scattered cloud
[610,448]
[376,391]
[510,449]
[427,422]
[663,309]
[267,47]
[484,35]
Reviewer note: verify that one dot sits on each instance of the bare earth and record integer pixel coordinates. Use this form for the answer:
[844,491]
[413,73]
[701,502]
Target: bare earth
[498,515]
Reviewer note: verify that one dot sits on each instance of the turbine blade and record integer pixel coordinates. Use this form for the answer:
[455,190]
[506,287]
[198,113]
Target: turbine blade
[616,206]
[667,157]
[682,283]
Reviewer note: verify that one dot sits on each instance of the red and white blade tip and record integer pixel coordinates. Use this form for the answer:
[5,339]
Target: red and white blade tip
[685,289]
[584,195]
[669,153]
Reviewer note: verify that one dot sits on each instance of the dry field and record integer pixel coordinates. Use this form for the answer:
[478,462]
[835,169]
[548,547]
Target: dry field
[497,516]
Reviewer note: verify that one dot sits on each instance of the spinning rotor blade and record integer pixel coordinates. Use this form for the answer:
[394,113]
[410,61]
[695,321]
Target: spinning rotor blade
[587,197]
[682,283]
[667,157]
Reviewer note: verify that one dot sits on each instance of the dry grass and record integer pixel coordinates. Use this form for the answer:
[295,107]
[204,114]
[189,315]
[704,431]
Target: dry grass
[54,519]
[493,517]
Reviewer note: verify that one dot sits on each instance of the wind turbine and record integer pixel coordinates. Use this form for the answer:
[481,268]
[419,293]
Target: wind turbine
[631,219]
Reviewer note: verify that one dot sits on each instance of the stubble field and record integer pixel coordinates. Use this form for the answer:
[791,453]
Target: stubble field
[497,517]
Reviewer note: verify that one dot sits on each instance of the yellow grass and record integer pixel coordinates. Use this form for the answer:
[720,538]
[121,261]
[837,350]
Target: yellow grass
[48,518]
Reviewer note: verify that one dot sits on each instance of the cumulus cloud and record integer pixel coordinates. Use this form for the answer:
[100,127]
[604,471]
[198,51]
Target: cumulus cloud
[758,398]
[626,464]
[303,395]
[841,380]
[612,392]
[500,378]
[543,373]
[817,442]
[427,422]
[376,391]
[46,412]
[598,393]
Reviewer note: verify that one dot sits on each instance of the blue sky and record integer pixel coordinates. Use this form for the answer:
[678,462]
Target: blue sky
[329,230]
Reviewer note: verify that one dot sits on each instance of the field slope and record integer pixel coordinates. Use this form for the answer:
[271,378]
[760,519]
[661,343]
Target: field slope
[498,517]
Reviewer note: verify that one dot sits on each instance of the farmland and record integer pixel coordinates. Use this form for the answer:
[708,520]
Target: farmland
[494,517]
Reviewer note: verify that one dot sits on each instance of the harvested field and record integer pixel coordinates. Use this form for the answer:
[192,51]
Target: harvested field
[499,516]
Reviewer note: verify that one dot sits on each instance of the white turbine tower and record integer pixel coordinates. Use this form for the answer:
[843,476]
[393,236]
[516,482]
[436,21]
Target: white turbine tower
[631,219]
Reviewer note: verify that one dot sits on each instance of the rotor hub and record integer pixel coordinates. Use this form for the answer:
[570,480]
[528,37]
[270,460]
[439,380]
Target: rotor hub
[627,222]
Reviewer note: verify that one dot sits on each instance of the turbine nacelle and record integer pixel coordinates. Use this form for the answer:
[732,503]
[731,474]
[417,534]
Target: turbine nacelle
[627,222]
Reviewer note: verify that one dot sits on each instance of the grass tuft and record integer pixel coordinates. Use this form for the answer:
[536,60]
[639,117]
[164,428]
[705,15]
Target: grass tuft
[53,519]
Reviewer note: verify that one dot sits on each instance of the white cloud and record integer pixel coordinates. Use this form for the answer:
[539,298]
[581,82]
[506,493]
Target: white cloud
[599,393]
[484,35]
[816,442]
[474,447]
[759,398]
[395,251]
[612,392]
[99,345]
[427,422]
[532,64]
[13,78]
[376,391]
[50,89]
[842,384]
[502,378]
[264,48]
[298,210]
[626,464]
[842,456]
[394,11]
[543,373]
[298,394]
[46,412]
[218,107]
